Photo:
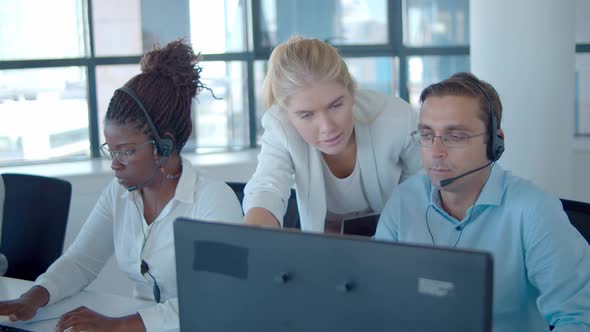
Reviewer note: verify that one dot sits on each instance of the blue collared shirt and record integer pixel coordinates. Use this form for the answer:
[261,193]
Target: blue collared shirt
[541,262]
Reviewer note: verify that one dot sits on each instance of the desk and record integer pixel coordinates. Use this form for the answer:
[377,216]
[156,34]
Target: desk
[108,304]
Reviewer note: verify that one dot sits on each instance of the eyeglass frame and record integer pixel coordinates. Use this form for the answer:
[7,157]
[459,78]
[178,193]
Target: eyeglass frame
[465,140]
[127,153]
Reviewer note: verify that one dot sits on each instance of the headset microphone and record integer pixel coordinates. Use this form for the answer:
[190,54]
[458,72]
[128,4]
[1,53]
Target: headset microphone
[446,182]
[142,184]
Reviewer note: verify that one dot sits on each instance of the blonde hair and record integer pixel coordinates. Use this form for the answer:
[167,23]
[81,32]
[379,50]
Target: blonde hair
[299,62]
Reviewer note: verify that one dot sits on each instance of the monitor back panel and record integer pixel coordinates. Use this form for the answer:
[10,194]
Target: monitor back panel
[237,278]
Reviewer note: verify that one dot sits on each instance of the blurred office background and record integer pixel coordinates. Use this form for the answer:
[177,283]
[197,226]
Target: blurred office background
[61,60]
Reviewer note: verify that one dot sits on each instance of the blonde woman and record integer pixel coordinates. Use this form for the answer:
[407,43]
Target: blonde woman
[343,149]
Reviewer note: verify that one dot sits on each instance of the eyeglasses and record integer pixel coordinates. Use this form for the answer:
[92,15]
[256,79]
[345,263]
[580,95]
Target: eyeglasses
[145,268]
[426,139]
[123,155]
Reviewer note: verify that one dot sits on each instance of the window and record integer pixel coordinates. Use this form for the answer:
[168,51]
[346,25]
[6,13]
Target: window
[44,113]
[220,118]
[110,18]
[44,109]
[229,19]
[339,22]
[56,81]
[59,38]
[435,23]
[425,70]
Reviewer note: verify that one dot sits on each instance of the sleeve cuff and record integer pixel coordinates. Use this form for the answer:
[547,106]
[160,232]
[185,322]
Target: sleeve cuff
[268,201]
[51,288]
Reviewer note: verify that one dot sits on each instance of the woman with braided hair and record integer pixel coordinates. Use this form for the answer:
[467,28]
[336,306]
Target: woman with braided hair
[147,123]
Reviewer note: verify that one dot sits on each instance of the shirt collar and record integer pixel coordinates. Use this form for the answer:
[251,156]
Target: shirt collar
[187,184]
[491,194]
[493,191]
[185,190]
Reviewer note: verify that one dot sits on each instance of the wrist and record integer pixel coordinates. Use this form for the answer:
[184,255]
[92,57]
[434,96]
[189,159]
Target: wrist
[37,296]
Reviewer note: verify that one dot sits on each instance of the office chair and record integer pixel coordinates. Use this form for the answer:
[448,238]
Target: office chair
[579,215]
[34,223]
[291,218]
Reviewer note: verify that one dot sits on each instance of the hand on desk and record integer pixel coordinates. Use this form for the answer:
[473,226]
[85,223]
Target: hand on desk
[47,316]
[85,319]
[26,306]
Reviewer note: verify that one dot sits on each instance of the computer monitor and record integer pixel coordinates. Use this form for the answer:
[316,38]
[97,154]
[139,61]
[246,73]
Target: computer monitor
[242,278]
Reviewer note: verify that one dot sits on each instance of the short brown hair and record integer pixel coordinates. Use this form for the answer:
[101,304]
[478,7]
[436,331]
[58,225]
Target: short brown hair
[467,84]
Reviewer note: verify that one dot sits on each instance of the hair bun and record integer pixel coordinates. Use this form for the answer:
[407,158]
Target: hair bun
[176,61]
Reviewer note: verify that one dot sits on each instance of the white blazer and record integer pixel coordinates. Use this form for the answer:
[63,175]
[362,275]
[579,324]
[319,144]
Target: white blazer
[386,156]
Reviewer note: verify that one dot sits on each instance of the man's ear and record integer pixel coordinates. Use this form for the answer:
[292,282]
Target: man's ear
[500,133]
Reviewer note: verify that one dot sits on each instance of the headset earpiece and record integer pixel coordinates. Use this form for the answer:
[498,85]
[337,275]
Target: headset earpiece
[165,146]
[496,143]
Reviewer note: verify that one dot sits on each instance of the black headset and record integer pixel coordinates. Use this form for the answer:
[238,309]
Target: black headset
[164,145]
[496,142]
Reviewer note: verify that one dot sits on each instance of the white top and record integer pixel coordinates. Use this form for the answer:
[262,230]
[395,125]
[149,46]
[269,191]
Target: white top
[115,226]
[385,152]
[344,196]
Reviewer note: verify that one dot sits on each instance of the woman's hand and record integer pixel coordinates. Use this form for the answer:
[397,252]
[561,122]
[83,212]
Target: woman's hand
[26,306]
[85,319]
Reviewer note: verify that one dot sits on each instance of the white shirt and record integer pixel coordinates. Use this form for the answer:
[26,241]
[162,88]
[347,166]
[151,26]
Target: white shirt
[344,196]
[116,225]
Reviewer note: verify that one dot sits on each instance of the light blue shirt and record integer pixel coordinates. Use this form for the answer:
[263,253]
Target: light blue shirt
[541,262]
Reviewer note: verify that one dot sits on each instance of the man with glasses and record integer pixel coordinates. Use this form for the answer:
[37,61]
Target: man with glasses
[541,262]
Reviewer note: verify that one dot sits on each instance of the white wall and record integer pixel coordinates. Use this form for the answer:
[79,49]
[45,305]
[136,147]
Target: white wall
[526,49]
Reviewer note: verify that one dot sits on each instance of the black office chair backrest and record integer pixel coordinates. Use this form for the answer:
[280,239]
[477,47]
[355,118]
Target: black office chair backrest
[34,223]
[579,215]
[291,218]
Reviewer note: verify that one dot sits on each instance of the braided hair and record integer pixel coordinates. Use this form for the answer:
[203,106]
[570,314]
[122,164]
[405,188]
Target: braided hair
[169,80]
